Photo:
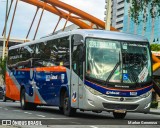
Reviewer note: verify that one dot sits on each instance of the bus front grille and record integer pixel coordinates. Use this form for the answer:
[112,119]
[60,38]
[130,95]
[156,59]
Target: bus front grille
[120,106]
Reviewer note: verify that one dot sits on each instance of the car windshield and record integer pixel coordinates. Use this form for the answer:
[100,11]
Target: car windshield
[117,61]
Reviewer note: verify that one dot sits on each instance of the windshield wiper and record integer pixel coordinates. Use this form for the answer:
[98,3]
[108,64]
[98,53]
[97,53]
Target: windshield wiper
[114,69]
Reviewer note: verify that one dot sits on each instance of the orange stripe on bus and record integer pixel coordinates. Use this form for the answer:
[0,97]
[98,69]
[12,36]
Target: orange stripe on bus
[11,89]
[36,99]
[52,69]
[46,69]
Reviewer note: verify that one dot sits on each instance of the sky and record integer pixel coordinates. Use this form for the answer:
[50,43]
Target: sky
[25,13]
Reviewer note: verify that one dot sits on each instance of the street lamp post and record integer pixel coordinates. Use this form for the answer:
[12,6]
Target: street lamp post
[108,14]
[4,35]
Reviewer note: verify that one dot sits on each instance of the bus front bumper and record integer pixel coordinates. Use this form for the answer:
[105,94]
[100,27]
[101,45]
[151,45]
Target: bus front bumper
[110,103]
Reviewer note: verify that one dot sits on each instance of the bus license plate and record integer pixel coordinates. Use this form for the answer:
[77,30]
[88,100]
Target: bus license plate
[120,111]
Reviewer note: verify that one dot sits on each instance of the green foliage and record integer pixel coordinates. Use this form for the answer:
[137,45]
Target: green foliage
[144,7]
[155,47]
[154,104]
[3,67]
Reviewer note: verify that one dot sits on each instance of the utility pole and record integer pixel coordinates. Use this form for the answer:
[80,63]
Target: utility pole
[108,14]
[4,35]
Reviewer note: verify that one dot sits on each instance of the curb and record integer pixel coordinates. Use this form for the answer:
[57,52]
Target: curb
[155,111]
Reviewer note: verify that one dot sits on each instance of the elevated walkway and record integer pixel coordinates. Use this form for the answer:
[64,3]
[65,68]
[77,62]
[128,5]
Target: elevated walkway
[12,41]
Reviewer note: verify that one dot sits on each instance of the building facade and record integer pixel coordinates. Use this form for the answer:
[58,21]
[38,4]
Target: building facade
[117,13]
[149,28]
[121,20]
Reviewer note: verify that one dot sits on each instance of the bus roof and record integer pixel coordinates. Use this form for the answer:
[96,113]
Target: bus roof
[89,33]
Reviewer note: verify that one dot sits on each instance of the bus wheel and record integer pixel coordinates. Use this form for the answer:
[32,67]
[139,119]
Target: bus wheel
[24,104]
[4,98]
[32,106]
[61,109]
[67,109]
[119,115]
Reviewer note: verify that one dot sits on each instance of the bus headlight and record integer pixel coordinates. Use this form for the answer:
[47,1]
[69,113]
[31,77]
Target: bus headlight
[146,94]
[93,91]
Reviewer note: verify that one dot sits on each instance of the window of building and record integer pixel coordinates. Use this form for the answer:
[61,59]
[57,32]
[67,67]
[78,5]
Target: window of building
[121,2]
[121,15]
[120,28]
[120,9]
[119,22]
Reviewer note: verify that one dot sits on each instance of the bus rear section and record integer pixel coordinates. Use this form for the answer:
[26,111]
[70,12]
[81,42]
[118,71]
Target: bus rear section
[38,73]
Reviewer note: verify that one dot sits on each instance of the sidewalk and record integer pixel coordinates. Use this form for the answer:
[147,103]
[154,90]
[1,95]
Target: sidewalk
[155,111]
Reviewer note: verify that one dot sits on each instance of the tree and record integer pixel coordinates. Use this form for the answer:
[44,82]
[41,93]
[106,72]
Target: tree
[3,68]
[155,47]
[144,7]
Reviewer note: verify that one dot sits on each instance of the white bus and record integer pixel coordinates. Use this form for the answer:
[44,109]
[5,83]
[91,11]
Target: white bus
[90,70]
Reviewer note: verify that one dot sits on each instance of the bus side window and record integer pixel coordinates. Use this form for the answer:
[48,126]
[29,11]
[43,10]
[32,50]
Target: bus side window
[59,51]
[26,53]
[63,52]
[11,60]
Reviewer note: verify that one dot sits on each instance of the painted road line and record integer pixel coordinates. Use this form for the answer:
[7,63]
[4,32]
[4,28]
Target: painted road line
[27,112]
[57,118]
[93,126]
[41,115]
[5,109]
[16,110]
[75,123]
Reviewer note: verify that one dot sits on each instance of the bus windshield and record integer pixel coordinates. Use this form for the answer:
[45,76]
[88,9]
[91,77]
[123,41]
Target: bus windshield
[117,61]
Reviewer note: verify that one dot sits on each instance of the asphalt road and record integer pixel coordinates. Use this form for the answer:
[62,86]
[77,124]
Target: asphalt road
[52,116]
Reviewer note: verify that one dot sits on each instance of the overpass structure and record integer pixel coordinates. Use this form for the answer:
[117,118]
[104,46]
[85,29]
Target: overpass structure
[12,41]
[67,12]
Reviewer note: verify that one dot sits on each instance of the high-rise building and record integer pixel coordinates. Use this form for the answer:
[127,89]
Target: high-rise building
[149,28]
[117,13]
[121,20]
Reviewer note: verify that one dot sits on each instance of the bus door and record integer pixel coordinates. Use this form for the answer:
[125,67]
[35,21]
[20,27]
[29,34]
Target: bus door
[77,70]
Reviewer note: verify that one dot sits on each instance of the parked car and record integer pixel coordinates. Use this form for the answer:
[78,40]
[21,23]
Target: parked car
[4,98]
[1,92]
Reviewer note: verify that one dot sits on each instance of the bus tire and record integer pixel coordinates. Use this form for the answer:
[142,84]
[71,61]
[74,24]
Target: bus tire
[119,115]
[61,109]
[67,109]
[32,106]
[24,104]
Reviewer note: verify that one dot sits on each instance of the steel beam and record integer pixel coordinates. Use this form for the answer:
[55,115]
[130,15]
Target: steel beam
[79,12]
[64,15]
[56,25]
[12,23]
[4,35]
[32,22]
[66,21]
[7,16]
[39,21]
